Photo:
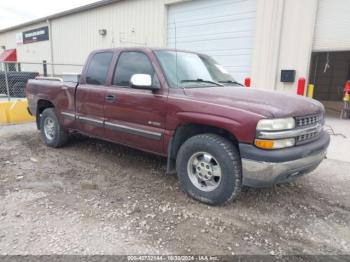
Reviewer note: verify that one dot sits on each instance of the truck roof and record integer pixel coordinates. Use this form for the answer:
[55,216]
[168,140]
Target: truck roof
[144,49]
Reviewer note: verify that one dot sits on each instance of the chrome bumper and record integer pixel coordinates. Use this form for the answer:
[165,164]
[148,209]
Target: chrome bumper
[264,174]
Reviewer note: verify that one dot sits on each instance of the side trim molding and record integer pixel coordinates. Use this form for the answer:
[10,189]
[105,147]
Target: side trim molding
[134,131]
[121,128]
[68,115]
[91,121]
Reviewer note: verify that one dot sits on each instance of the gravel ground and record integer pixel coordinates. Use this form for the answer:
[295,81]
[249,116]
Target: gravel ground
[92,197]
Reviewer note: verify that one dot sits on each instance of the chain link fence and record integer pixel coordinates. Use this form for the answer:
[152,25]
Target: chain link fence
[15,75]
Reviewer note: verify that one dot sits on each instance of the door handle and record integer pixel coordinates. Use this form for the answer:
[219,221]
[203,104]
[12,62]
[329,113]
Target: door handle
[110,98]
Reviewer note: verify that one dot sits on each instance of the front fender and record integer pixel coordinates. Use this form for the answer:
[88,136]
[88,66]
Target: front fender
[242,130]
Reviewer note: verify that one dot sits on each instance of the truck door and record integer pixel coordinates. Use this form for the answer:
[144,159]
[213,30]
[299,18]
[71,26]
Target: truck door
[135,117]
[91,93]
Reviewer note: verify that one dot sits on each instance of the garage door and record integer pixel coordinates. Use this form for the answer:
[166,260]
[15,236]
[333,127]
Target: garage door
[332,26]
[223,29]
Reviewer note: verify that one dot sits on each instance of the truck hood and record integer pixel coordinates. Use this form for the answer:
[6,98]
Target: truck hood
[264,103]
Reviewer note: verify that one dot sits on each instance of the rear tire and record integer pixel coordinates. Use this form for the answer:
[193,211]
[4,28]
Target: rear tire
[52,133]
[209,169]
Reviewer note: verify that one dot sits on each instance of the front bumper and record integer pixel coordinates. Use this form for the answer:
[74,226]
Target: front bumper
[262,168]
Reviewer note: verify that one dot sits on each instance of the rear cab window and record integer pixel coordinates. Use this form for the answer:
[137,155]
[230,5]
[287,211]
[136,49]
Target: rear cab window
[98,68]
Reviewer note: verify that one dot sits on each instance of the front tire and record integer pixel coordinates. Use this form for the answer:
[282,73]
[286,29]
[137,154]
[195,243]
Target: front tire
[52,133]
[209,169]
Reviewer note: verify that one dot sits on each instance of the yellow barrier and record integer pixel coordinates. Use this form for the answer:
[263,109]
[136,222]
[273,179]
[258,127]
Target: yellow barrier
[310,91]
[14,112]
[346,97]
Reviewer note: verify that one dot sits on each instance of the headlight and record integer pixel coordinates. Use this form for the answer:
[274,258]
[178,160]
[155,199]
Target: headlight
[274,144]
[276,124]
[271,125]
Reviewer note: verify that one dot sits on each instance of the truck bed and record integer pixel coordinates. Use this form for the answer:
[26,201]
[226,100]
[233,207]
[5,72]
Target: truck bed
[59,93]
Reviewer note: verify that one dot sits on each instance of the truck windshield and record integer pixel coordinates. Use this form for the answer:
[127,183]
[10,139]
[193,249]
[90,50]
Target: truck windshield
[189,70]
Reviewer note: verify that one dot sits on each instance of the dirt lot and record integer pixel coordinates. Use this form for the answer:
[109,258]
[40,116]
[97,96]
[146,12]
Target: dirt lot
[93,197]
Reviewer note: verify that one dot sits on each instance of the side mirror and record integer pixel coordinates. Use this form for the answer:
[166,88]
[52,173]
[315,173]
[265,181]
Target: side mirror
[142,81]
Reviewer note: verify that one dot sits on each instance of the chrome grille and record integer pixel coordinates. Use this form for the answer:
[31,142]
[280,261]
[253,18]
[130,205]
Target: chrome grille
[307,138]
[307,121]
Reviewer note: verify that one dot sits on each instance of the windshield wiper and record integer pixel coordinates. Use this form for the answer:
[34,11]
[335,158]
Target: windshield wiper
[201,81]
[231,82]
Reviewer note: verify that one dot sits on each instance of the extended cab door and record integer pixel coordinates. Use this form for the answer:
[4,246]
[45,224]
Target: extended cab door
[91,93]
[136,117]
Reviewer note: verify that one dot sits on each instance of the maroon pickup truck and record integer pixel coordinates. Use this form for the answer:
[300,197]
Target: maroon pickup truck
[217,135]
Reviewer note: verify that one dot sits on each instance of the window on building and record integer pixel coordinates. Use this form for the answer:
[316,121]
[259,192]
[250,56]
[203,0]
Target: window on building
[131,63]
[98,68]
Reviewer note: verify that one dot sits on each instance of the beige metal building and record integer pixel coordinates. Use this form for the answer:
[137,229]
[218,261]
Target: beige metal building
[251,38]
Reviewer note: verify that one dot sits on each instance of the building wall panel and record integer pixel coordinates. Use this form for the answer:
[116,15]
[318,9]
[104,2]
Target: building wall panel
[284,39]
[128,23]
[332,27]
[74,36]
[296,42]
[27,53]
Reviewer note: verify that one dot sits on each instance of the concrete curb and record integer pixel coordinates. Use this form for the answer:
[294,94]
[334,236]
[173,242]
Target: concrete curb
[14,112]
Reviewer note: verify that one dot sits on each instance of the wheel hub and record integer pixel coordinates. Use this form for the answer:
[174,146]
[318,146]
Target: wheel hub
[49,128]
[204,171]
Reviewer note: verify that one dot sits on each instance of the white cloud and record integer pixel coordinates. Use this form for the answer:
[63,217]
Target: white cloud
[15,12]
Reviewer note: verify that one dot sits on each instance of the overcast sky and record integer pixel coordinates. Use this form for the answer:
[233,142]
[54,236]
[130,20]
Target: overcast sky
[14,12]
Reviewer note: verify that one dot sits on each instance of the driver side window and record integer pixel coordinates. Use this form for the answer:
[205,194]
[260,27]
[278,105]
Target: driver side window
[131,63]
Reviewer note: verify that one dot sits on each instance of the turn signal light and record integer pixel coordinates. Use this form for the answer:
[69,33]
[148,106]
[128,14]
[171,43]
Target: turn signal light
[274,144]
[264,144]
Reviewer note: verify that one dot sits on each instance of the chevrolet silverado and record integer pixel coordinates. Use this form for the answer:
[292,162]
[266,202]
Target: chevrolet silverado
[216,135]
